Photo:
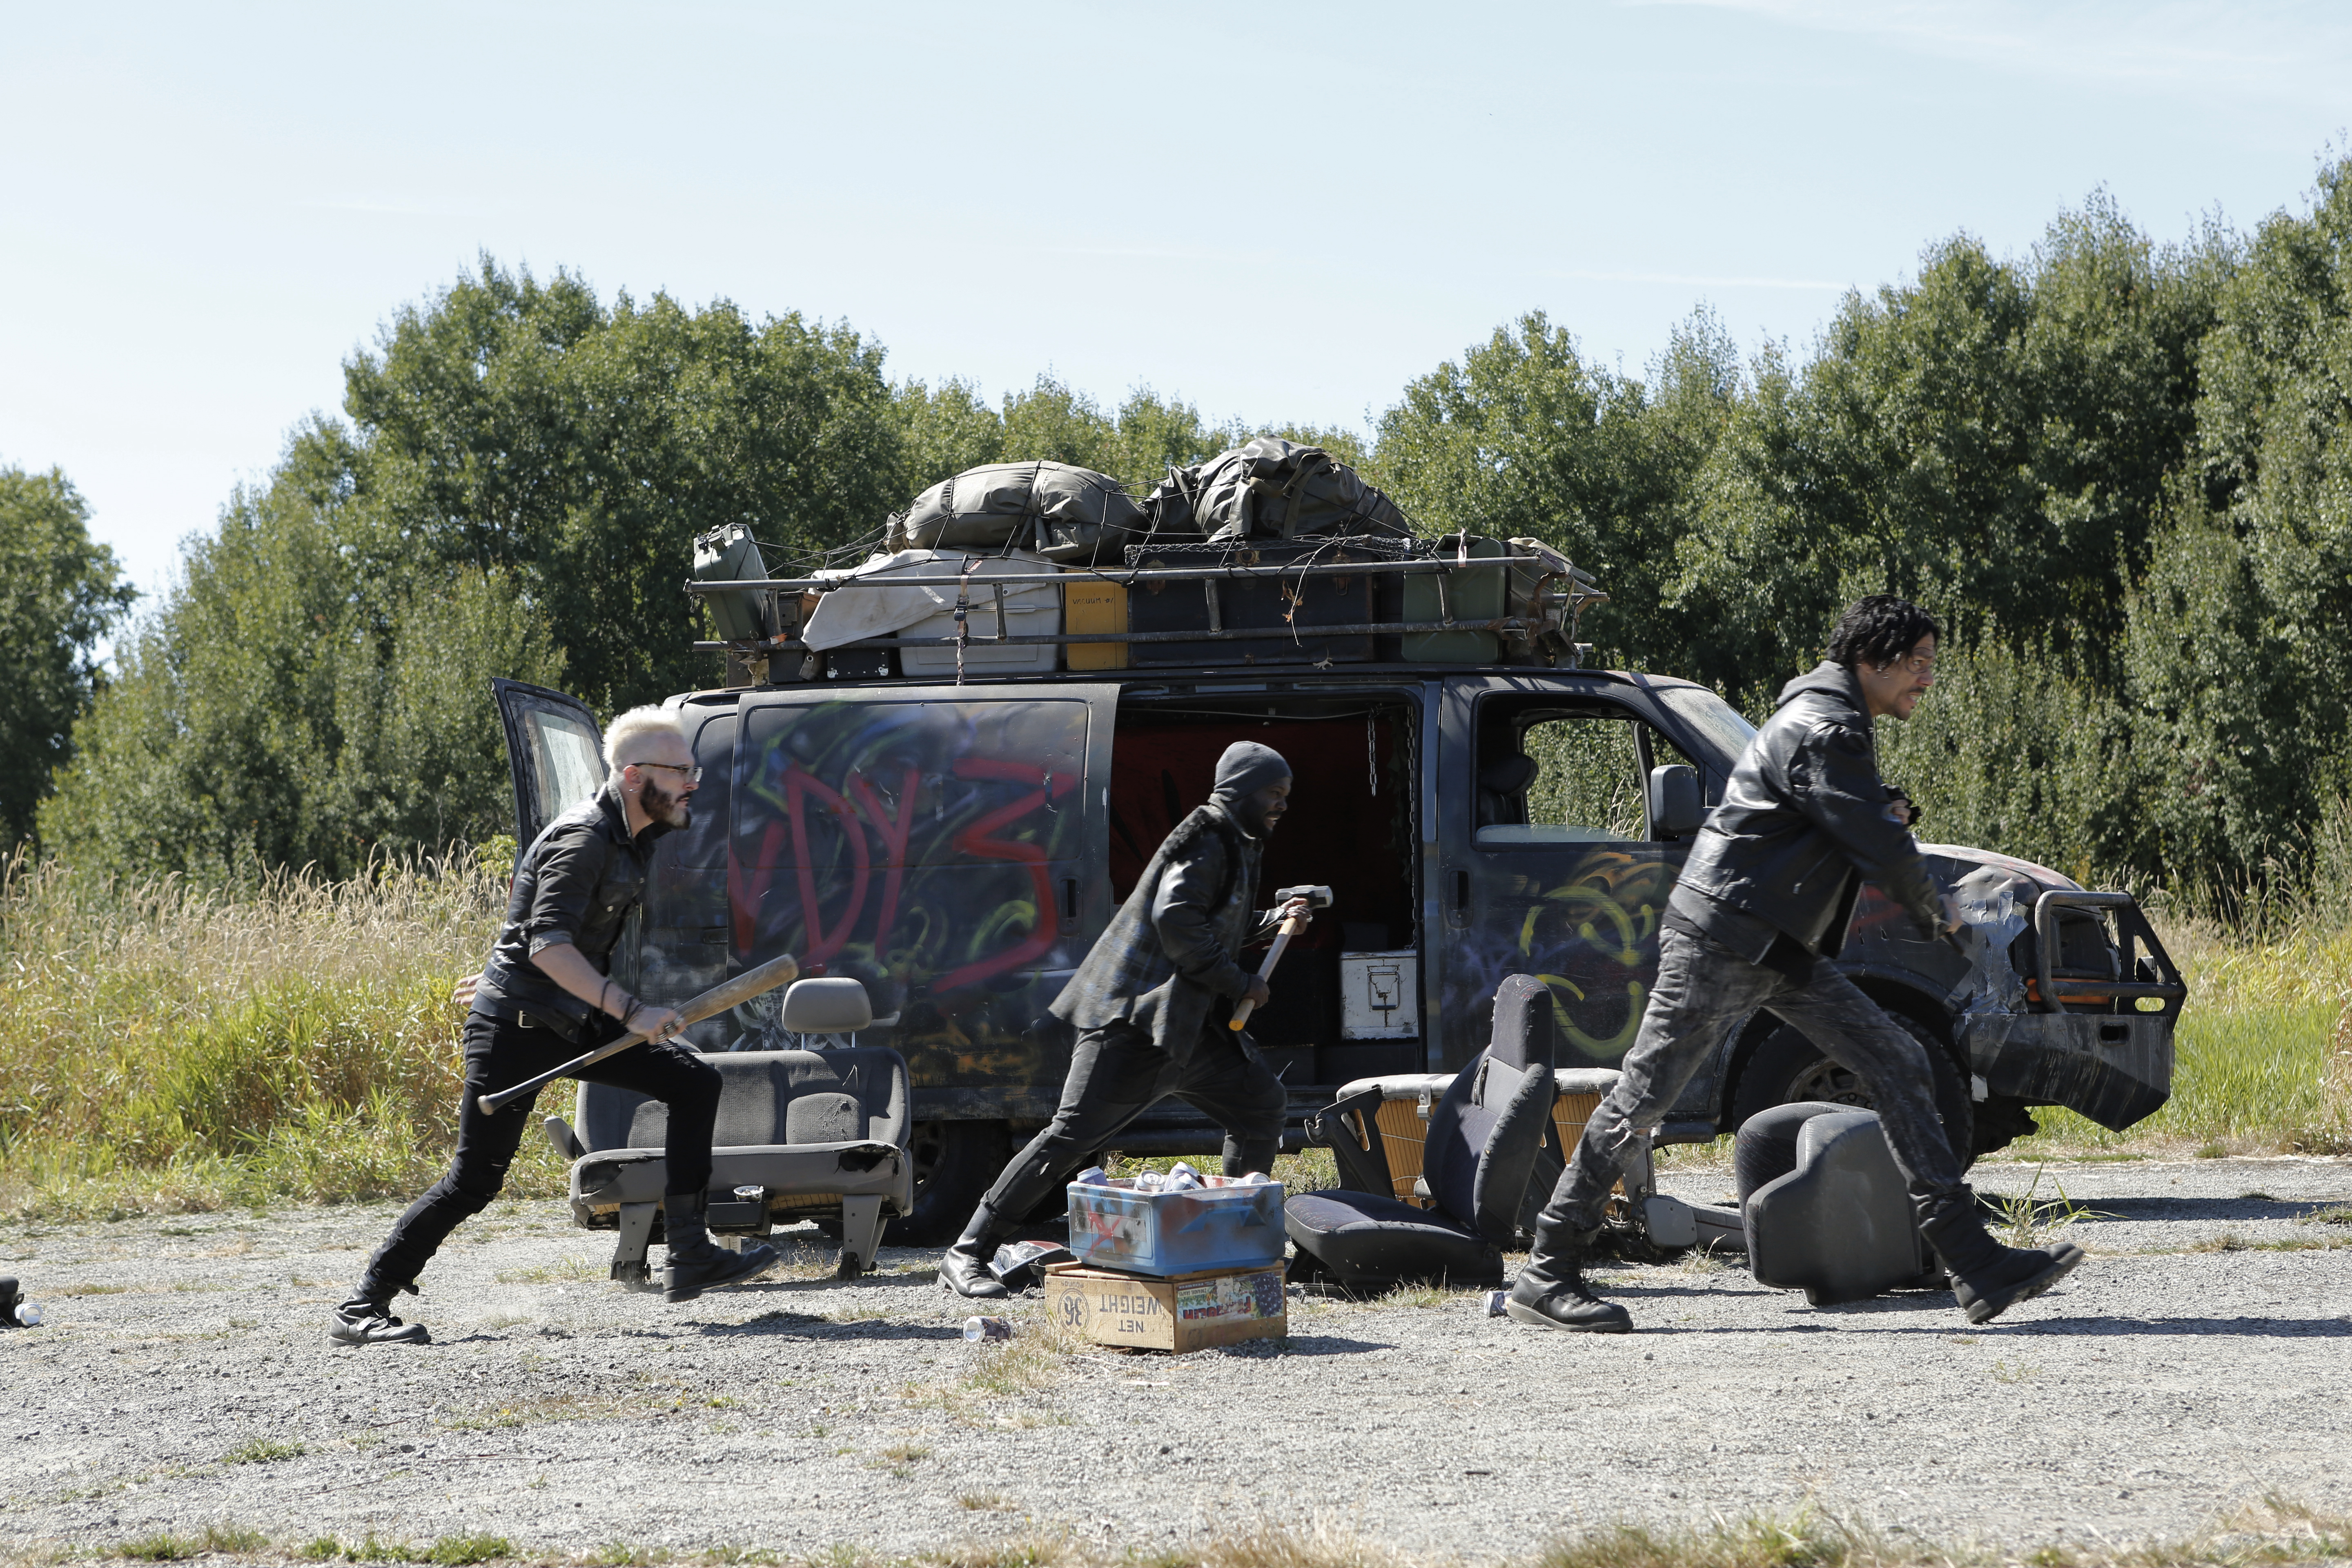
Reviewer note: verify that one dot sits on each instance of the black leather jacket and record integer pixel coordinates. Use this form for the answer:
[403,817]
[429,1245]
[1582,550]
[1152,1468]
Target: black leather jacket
[576,883]
[1804,821]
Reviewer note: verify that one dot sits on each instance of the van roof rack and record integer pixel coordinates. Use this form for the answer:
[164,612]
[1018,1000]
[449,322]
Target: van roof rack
[1553,594]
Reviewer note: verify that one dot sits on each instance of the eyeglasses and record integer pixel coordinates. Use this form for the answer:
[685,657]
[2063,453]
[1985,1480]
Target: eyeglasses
[1912,664]
[693,775]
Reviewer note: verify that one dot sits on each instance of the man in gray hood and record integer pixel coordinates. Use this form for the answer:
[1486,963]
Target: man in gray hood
[1150,1005]
[1768,893]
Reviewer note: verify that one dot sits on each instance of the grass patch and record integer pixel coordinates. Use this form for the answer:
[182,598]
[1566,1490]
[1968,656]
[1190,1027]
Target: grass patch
[164,1547]
[263,1451]
[456,1550]
[1035,1359]
[2030,1222]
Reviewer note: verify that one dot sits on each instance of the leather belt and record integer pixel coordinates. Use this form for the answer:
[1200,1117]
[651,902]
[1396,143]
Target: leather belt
[567,1029]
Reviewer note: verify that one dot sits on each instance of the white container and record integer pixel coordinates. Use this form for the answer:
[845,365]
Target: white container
[1379,995]
[913,594]
[1027,613]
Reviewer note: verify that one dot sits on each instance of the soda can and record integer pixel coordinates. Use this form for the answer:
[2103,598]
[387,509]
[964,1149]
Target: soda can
[987,1328]
[1495,1300]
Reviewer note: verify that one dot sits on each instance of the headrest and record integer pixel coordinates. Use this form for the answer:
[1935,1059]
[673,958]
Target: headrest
[1484,1135]
[1510,776]
[827,1005]
[1523,1037]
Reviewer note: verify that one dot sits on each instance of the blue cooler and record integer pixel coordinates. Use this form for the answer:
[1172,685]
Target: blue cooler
[1193,1232]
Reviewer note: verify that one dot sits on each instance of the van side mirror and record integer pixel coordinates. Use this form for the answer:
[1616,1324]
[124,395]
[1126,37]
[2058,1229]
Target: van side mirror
[1675,807]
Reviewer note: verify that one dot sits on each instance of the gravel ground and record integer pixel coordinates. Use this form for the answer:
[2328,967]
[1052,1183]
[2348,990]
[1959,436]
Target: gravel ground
[2194,1363]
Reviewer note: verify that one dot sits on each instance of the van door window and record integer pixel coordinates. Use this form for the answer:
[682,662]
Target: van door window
[554,750]
[1587,783]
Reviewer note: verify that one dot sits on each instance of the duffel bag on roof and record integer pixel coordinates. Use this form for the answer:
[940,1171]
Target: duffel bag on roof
[1274,488]
[1054,510]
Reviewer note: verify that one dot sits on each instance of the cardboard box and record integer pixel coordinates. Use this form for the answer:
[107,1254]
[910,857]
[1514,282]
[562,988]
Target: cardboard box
[1188,1312]
[1092,604]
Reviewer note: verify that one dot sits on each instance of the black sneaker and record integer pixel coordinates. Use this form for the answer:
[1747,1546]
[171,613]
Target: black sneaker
[359,1321]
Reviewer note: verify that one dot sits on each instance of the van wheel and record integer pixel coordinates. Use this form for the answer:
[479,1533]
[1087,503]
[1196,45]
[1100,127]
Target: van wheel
[1784,1067]
[954,1163]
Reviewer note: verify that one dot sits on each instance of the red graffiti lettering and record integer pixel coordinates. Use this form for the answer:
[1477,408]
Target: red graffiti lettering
[975,841]
[822,945]
[894,831]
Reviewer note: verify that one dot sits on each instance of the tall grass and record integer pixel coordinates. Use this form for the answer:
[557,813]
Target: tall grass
[2263,1051]
[164,1047]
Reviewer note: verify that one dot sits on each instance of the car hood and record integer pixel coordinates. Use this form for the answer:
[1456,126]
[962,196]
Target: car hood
[2047,878]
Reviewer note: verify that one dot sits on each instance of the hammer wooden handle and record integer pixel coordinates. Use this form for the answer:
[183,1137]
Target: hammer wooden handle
[717,1000]
[1288,929]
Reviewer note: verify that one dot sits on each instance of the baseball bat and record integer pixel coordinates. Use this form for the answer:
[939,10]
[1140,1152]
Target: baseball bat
[718,999]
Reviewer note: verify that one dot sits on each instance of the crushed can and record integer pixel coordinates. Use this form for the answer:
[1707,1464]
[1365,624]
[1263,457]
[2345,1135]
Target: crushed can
[975,1328]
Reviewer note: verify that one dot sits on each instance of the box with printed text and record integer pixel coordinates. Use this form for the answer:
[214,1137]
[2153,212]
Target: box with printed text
[1188,1312]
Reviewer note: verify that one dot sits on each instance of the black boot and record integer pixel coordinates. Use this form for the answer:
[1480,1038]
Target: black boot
[963,1267]
[366,1319]
[696,1263]
[1551,1291]
[1987,1277]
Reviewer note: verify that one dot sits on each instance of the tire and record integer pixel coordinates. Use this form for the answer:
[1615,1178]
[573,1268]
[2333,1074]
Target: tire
[954,1163]
[1784,1067]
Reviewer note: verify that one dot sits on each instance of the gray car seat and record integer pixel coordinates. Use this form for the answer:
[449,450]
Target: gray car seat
[1825,1209]
[1482,1143]
[801,1135]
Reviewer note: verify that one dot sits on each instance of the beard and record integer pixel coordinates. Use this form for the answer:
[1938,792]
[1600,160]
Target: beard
[660,806]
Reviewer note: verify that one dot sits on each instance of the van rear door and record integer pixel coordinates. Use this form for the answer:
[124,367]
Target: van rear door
[946,845]
[555,752]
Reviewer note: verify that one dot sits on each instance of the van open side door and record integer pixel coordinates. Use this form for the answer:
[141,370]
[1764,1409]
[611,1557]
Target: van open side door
[555,751]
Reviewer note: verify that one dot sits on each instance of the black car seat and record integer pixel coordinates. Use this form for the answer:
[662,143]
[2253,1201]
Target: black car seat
[1481,1149]
[1502,790]
[1825,1209]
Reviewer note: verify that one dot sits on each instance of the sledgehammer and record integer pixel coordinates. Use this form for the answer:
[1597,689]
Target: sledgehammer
[717,1000]
[1317,899]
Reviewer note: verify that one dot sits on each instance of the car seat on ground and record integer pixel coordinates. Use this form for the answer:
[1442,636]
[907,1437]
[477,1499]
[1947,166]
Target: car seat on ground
[1483,1135]
[801,1135]
[1824,1207]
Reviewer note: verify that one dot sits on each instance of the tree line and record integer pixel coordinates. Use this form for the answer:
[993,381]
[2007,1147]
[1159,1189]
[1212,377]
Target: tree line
[2119,469]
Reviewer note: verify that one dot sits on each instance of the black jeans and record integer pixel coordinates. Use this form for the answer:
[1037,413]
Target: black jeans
[1704,990]
[1116,1075]
[501,1053]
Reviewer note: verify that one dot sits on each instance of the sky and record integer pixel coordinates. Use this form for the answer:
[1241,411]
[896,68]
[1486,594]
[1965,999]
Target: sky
[1281,213]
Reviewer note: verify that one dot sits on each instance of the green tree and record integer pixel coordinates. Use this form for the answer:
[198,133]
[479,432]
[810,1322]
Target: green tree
[297,699]
[60,594]
[1523,439]
[518,425]
[1992,439]
[2236,643]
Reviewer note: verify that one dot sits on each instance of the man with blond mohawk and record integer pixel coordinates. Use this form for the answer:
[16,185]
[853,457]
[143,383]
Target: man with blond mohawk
[543,997]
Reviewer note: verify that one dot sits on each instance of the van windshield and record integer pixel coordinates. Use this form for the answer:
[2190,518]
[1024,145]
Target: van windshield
[1716,721]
